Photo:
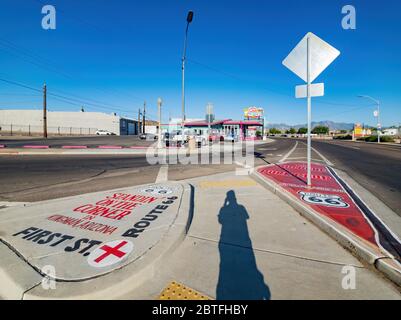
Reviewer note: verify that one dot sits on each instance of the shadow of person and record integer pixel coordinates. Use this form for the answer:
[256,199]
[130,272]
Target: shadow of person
[239,277]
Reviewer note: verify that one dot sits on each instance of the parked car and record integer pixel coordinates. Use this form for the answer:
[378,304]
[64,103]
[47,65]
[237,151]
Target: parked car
[178,137]
[216,137]
[104,133]
[148,136]
[200,140]
[231,137]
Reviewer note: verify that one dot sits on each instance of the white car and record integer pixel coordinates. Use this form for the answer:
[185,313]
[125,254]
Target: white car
[178,137]
[200,140]
[104,133]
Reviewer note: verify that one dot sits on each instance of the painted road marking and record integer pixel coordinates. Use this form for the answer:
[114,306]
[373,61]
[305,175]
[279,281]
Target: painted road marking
[321,156]
[110,253]
[289,153]
[344,207]
[268,149]
[162,176]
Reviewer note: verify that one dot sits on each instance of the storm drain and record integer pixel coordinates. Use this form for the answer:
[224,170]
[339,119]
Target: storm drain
[177,291]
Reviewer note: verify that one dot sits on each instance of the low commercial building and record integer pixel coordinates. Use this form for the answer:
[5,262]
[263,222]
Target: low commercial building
[391,132]
[30,122]
[243,129]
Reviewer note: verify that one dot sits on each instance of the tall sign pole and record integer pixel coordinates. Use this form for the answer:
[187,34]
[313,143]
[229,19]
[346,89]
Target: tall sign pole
[308,60]
[309,98]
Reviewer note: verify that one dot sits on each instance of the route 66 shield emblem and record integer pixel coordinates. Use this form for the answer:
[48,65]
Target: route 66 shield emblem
[328,200]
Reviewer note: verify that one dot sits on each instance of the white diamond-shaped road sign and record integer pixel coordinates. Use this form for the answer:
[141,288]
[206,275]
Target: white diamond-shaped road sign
[322,55]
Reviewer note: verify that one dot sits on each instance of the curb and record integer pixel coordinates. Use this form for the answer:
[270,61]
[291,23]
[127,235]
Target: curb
[358,247]
[119,283]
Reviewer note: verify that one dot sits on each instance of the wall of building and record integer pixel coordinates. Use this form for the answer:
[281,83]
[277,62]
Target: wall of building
[64,122]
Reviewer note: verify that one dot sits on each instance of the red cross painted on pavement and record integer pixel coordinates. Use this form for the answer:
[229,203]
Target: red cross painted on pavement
[112,251]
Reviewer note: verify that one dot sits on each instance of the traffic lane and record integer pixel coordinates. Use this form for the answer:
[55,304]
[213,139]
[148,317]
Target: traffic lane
[376,168]
[36,178]
[389,149]
[273,152]
[94,141]
[23,175]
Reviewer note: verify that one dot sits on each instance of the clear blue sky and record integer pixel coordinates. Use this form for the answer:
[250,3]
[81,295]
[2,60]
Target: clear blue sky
[120,53]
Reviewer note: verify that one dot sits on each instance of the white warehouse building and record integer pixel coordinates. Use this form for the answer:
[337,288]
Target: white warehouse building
[65,123]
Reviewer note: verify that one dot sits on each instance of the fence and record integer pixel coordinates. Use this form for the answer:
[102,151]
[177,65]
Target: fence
[35,130]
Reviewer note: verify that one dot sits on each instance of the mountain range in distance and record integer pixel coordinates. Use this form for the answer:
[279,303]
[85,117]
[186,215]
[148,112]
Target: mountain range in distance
[331,124]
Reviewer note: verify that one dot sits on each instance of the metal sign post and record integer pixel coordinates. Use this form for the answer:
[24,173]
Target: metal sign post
[309,110]
[308,60]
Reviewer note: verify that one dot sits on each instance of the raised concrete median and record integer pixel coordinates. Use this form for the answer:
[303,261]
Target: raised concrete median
[95,246]
[337,209]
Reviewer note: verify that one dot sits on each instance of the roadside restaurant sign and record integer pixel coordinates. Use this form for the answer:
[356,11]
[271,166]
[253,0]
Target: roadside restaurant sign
[253,113]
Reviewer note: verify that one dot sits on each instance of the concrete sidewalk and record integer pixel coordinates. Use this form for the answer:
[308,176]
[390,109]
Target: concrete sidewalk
[246,243]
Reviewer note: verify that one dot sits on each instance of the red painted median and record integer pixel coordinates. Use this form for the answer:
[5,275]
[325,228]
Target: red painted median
[333,198]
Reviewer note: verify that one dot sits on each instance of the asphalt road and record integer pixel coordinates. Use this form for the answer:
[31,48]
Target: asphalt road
[35,178]
[93,141]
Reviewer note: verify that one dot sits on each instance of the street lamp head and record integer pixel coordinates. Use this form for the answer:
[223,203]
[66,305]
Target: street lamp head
[190,16]
[159,101]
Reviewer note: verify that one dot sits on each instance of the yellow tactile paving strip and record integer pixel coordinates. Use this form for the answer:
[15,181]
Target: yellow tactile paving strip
[177,291]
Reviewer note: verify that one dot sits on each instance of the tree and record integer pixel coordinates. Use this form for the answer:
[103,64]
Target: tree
[320,130]
[274,131]
[343,131]
[302,130]
[292,131]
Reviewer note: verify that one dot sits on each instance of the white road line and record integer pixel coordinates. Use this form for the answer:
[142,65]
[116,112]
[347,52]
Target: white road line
[162,176]
[321,156]
[289,153]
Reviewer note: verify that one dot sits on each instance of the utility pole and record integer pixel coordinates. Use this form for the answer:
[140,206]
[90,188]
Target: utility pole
[44,111]
[139,121]
[159,106]
[143,119]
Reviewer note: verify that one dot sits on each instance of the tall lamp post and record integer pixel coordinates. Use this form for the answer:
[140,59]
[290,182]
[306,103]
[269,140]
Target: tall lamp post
[190,16]
[377,114]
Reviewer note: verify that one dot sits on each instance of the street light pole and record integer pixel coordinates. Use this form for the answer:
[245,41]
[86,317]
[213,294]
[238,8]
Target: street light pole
[377,102]
[189,20]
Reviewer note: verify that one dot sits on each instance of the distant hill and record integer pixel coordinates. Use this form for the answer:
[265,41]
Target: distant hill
[331,124]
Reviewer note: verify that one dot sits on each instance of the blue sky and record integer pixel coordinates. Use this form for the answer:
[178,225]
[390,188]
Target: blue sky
[119,53]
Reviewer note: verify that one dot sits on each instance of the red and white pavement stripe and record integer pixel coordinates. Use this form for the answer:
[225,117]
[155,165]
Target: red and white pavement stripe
[109,147]
[74,147]
[36,147]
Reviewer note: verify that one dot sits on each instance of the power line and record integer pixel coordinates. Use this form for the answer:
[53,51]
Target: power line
[265,89]
[64,98]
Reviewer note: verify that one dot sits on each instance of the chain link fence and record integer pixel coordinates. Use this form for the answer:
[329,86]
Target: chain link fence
[35,130]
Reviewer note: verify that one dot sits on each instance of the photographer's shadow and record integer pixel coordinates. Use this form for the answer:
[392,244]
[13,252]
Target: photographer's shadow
[239,277]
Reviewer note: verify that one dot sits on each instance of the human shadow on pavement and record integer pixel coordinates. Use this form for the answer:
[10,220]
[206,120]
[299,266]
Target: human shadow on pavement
[239,277]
